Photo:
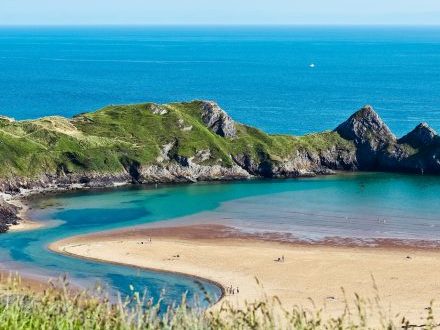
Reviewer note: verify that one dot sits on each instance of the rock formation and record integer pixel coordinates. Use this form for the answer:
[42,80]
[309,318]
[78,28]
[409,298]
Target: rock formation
[370,135]
[187,142]
[420,137]
[8,215]
[218,120]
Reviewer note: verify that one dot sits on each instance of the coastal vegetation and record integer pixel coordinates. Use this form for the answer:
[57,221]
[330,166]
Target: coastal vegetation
[60,307]
[188,142]
[110,139]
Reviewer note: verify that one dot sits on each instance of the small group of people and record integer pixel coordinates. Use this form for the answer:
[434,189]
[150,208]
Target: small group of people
[280,259]
[148,241]
[231,290]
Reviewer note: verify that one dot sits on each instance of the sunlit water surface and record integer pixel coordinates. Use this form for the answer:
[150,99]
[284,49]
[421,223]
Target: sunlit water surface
[357,206]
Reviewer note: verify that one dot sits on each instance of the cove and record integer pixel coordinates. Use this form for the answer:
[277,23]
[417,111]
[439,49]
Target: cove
[361,206]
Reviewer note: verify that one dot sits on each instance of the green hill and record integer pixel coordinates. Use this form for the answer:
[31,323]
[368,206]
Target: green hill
[186,142]
[129,138]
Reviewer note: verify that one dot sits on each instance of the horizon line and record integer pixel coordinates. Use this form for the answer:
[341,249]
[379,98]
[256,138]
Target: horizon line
[222,25]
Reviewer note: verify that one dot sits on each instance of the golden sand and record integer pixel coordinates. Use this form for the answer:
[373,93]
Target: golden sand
[406,279]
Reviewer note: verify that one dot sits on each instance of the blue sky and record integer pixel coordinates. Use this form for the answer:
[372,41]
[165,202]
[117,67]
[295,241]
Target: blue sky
[46,12]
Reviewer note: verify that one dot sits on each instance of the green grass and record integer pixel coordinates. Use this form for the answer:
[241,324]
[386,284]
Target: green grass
[104,140]
[62,308]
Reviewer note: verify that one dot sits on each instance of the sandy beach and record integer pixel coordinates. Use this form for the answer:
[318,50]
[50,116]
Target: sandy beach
[25,222]
[407,279]
[25,225]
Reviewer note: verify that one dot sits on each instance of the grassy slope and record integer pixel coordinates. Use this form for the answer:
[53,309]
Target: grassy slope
[103,140]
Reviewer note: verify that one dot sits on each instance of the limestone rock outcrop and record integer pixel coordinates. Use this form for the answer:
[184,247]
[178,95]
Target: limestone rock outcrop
[421,136]
[369,133]
[218,120]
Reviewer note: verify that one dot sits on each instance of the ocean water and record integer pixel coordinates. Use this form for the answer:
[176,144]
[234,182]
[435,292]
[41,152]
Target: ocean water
[260,75]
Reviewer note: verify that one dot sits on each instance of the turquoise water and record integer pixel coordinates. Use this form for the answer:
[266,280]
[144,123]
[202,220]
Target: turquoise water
[261,75]
[345,206]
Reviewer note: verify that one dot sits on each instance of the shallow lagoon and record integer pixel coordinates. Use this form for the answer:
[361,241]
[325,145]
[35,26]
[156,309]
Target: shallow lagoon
[357,206]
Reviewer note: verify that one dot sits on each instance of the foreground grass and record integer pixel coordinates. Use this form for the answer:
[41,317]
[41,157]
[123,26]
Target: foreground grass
[58,307]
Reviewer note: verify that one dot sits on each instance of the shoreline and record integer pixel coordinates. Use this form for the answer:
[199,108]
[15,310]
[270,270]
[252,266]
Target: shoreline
[25,222]
[173,229]
[204,258]
[20,198]
[54,247]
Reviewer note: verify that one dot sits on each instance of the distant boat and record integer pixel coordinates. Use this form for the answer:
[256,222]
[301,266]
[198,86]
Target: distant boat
[312,65]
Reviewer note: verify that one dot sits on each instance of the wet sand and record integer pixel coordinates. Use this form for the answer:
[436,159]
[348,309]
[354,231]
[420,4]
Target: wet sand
[407,279]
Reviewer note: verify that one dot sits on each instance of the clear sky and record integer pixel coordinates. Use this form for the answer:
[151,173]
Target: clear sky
[47,12]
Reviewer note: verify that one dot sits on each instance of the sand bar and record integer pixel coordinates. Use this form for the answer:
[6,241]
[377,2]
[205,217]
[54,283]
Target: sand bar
[407,278]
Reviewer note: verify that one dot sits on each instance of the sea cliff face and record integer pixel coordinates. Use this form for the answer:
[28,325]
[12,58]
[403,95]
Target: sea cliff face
[187,142]
[377,149]
[8,215]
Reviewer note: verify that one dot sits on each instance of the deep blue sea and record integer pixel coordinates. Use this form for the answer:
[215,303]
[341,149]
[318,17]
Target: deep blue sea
[260,75]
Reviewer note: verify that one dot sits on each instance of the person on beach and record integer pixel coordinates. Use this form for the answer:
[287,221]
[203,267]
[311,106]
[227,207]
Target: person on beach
[282,258]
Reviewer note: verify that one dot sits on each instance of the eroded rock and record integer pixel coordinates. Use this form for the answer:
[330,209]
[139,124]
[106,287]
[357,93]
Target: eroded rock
[365,127]
[421,136]
[218,120]
[8,215]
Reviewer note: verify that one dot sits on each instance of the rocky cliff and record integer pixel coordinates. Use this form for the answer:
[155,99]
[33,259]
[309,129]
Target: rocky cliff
[8,215]
[377,149]
[186,142]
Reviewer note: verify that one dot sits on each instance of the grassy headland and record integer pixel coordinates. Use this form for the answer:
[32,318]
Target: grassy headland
[187,142]
[108,140]
[145,143]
